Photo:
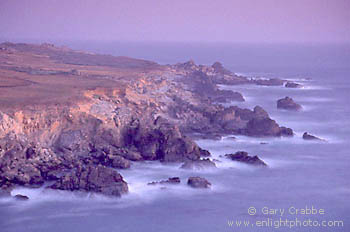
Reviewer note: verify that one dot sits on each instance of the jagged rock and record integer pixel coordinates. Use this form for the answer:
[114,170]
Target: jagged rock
[21,197]
[128,154]
[307,136]
[290,84]
[48,134]
[171,180]
[198,164]
[242,156]
[98,179]
[70,140]
[265,127]
[288,103]
[219,68]
[198,182]
[164,142]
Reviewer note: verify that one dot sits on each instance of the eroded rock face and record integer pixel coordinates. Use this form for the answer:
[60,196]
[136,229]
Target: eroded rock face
[164,142]
[242,156]
[288,103]
[25,164]
[198,182]
[98,179]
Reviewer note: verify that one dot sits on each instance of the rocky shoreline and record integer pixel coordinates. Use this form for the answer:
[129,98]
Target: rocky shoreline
[77,128]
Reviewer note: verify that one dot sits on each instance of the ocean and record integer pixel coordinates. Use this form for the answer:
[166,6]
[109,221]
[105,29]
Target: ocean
[305,188]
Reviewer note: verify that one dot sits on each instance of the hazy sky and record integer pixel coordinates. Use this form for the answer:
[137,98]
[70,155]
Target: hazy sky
[177,20]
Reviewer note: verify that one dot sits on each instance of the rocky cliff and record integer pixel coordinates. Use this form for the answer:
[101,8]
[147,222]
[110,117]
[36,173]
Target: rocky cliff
[73,117]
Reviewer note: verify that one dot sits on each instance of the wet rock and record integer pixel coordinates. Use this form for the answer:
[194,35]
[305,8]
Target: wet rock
[265,127]
[260,112]
[198,164]
[171,180]
[242,156]
[198,182]
[21,197]
[98,179]
[269,82]
[288,103]
[119,162]
[290,84]
[307,136]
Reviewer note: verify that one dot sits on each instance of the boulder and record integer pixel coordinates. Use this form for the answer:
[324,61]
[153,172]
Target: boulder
[307,136]
[288,103]
[242,156]
[171,180]
[198,164]
[98,179]
[21,197]
[198,182]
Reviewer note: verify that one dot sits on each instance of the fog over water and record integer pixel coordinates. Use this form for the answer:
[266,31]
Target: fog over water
[300,174]
[272,21]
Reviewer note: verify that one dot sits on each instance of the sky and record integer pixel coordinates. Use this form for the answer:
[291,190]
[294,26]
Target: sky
[269,21]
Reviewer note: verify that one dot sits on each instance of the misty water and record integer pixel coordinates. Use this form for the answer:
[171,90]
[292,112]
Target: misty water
[300,174]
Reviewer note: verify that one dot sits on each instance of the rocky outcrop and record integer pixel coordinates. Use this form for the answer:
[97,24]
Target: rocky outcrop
[290,84]
[29,165]
[98,179]
[163,142]
[219,69]
[288,103]
[206,86]
[70,126]
[171,180]
[198,182]
[242,156]
[199,164]
[259,127]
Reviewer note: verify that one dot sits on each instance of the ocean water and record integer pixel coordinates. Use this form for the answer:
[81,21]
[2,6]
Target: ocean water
[301,174]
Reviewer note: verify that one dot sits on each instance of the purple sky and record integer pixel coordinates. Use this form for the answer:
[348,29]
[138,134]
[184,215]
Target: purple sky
[177,20]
